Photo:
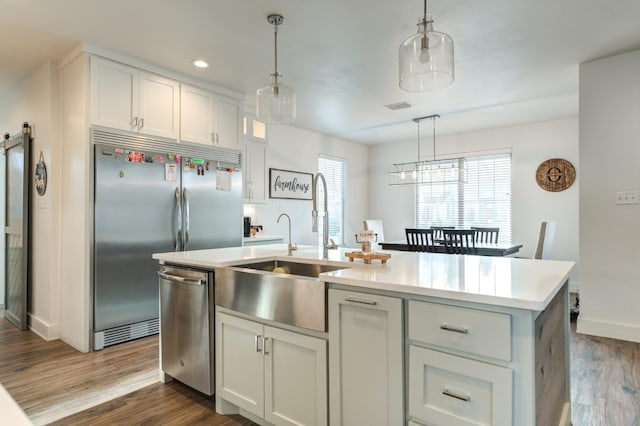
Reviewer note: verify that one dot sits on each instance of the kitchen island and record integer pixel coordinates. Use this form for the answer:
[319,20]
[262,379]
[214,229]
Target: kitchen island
[423,339]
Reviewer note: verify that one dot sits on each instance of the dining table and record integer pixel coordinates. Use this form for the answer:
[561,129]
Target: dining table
[482,249]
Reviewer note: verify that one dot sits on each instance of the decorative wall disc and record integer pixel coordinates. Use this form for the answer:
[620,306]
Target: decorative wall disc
[555,175]
[41,176]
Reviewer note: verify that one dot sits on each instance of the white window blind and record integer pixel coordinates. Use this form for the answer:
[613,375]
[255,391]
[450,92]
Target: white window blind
[334,171]
[480,196]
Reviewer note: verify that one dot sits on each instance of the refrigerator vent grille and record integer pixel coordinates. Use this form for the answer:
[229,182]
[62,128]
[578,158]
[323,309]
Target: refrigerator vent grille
[142,143]
[128,332]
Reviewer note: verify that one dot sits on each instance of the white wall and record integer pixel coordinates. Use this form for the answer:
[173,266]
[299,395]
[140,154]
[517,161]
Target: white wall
[75,224]
[296,149]
[609,233]
[530,145]
[34,100]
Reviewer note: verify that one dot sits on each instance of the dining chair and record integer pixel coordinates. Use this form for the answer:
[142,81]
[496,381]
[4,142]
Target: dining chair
[437,231]
[486,235]
[420,239]
[375,225]
[545,240]
[459,241]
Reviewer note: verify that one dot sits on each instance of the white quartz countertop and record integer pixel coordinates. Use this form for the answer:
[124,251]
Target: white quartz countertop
[12,414]
[504,281]
[263,237]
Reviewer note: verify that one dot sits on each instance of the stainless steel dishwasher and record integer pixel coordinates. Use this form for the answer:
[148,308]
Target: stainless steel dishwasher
[187,326]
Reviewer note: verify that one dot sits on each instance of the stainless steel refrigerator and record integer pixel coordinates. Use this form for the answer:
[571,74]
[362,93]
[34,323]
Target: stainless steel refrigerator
[153,196]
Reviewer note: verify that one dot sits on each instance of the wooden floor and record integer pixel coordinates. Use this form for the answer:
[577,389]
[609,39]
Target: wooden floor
[55,384]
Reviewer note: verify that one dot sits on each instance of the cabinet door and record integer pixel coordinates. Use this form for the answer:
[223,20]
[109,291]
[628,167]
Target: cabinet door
[159,105]
[454,391]
[239,363]
[196,115]
[227,124]
[114,94]
[365,359]
[295,378]
[255,172]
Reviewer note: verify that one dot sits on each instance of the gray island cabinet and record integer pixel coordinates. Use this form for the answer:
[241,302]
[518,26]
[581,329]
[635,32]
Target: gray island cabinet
[425,339]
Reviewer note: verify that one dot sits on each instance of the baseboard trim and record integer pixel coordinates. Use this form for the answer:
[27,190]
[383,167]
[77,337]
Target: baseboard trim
[41,328]
[610,330]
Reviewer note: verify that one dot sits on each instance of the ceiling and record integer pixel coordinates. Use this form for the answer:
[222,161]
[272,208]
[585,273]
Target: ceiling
[516,60]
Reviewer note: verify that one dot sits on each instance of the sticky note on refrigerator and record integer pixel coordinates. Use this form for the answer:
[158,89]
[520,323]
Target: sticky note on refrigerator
[223,180]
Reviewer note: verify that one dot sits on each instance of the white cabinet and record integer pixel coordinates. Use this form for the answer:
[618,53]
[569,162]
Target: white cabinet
[275,374]
[451,380]
[451,390]
[208,119]
[365,359]
[255,171]
[126,98]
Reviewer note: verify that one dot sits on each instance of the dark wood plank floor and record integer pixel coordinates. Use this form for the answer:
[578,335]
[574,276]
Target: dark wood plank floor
[41,376]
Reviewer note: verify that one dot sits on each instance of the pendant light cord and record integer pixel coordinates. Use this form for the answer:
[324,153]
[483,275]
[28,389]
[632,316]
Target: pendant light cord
[434,134]
[424,19]
[275,50]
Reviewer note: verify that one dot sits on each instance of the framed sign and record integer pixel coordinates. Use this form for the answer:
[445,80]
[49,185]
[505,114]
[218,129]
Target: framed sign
[290,185]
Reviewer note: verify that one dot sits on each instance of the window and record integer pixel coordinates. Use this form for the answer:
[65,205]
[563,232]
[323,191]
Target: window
[478,195]
[334,171]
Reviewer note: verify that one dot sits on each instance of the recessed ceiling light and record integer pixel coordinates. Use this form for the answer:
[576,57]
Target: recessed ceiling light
[200,63]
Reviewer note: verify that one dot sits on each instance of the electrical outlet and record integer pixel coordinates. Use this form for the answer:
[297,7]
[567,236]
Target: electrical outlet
[627,197]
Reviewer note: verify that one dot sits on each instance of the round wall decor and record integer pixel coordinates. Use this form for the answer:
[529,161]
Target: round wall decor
[555,175]
[41,176]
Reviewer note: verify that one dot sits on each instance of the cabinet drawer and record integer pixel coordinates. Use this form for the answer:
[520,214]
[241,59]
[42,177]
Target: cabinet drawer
[469,330]
[450,390]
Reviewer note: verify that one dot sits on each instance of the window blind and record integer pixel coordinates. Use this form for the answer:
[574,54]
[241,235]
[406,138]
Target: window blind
[480,196]
[334,171]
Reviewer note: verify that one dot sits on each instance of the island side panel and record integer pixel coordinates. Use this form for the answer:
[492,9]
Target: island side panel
[552,378]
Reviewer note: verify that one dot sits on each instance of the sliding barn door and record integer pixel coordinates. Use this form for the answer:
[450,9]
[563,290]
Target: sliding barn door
[16,227]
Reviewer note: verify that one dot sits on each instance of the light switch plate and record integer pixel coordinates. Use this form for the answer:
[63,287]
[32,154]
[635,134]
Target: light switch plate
[627,197]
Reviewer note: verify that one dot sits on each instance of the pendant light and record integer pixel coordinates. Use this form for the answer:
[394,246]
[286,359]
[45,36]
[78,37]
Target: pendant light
[432,171]
[276,103]
[426,58]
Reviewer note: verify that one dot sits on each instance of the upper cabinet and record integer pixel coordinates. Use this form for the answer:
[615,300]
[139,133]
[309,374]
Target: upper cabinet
[126,98]
[209,119]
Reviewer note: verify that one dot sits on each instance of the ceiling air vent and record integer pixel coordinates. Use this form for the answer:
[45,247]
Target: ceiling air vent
[398,105]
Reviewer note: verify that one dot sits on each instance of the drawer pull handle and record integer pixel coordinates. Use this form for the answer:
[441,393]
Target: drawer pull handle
[362,301]
[465,398]
[266,340]
[461,330]
[258,339]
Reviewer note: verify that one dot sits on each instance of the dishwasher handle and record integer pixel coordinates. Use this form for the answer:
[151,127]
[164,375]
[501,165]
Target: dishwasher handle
[179,279]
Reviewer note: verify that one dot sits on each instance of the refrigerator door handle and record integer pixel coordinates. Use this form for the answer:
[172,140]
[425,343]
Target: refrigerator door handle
[186,218]
[178,220]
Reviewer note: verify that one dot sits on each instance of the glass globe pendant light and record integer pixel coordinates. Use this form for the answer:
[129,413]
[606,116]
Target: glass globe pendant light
[426,58]
[276,103]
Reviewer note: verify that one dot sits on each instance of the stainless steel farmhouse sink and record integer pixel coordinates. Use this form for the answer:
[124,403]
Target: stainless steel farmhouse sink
[283,291]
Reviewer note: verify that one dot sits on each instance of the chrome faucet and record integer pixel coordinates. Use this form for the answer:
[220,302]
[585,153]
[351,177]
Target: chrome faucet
[314,216]
[290,247]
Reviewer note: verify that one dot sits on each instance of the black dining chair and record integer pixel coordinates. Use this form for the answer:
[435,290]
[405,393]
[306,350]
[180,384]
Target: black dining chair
[459,241]
[437,231]
[486,235]
[420,239]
